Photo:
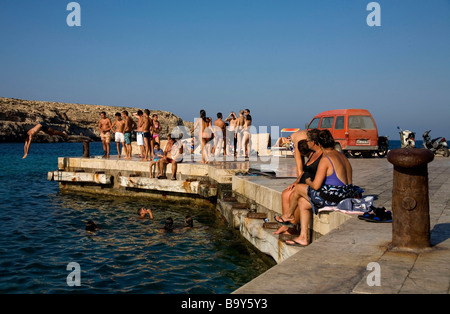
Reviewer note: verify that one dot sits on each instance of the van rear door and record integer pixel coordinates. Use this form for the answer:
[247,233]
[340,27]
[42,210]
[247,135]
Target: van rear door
[362,132]
[339,131]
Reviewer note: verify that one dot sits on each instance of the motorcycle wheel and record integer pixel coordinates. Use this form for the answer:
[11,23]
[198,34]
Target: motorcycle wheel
[383,150]
[445,152]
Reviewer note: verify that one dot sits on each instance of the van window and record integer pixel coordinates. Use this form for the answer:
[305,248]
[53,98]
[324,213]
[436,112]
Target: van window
[360,122]
[314,123]
[339,125]
[327,123]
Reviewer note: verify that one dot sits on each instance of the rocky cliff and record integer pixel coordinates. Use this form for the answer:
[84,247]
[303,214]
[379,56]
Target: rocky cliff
[17,116]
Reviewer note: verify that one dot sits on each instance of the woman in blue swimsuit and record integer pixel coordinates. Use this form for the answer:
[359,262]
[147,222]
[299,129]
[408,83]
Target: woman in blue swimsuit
[332,184]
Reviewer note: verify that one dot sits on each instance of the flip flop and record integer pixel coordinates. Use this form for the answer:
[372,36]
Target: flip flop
[366,216]
[285,223]
[378,219]
[381,215]
[295,243]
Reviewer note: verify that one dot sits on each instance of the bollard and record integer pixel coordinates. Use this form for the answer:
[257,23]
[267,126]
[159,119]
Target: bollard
[86,149]
[410,201]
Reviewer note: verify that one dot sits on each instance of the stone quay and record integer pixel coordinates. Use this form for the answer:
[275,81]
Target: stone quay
[346,255]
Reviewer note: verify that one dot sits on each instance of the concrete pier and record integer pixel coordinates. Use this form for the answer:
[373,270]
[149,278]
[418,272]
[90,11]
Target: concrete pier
[343,251]
[350,256]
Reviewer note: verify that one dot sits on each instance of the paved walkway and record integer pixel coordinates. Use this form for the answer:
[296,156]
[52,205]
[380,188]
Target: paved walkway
[339,262]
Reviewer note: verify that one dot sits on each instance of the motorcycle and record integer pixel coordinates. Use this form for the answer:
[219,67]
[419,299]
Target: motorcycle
[437,146]
[407,138]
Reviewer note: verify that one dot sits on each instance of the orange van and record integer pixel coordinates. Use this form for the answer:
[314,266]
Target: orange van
[354,131]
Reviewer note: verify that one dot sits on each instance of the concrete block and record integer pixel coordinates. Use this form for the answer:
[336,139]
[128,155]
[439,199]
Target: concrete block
[85,177]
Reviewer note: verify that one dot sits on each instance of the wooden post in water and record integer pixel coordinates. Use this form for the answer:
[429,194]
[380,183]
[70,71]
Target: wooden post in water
[410,200]
[86,149]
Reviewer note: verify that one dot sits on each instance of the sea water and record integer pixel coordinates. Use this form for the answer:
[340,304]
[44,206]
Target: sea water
[43,230]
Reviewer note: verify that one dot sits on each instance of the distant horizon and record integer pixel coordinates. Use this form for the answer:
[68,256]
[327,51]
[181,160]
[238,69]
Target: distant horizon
[286,61]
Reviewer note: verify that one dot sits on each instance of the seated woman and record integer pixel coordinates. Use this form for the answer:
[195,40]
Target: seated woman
[282,141]
[331,185]
[308,148]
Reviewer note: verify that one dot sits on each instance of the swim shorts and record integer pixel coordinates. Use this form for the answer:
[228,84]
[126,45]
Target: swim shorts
[44,126]
[127,137]
[105,136]
[146,134]
[120,137]
[140,138]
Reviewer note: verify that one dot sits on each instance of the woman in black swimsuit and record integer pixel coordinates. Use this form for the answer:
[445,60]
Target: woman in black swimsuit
[308,148]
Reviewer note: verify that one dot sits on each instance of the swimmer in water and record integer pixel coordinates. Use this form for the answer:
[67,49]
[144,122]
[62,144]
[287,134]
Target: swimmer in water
[91,226]
[188,222]
[169,224]
[142,212]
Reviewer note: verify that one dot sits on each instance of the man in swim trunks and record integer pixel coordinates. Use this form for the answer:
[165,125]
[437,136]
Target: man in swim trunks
[129,126]
[104,126]
[147,134]
[219,135]
[35,130]
[231,133]
[119,136]
[139,132]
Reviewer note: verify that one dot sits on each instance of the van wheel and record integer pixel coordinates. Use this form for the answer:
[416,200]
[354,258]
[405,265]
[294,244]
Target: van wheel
[354,154]
[338,147]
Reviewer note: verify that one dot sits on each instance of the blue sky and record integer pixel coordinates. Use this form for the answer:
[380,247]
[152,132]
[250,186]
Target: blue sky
[286,60]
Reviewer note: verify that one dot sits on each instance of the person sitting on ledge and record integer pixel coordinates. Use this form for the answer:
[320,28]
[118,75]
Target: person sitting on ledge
[332,184]
[308,148]
[173,154]
[35,130]
[282,142]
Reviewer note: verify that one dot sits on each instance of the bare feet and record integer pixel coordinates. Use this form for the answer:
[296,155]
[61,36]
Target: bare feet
[281,230]
[299,241]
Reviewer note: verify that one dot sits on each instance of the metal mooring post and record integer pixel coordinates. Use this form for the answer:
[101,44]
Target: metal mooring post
[410,202]
[86,149]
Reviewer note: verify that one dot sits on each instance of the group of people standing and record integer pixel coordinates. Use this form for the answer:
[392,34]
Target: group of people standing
[230,137]
[147,137]
[147,132]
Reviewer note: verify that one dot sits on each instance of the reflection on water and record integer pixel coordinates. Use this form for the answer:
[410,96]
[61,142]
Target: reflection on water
[43,230]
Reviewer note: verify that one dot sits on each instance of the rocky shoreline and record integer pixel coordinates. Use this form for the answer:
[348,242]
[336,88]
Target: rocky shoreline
[77,120]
